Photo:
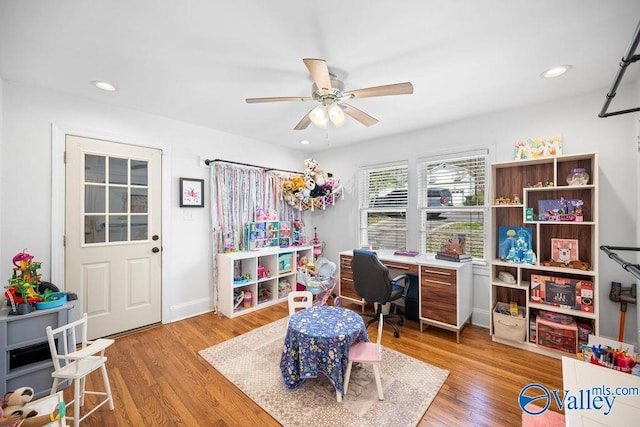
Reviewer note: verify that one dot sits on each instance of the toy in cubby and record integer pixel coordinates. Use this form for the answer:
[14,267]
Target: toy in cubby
[239,279]
[263,273]
[284,287]
[264,294]
[238,299]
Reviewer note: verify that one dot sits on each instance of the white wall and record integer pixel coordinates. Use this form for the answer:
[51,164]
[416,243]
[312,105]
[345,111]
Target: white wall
[575,119]
[26,168]
[25,174]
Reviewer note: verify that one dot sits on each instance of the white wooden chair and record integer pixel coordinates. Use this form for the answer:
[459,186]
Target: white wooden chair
[299,299]
[367,352]
[74,359]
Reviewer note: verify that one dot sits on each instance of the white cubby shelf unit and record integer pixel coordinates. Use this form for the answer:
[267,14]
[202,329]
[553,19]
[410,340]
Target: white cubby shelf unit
[268,274]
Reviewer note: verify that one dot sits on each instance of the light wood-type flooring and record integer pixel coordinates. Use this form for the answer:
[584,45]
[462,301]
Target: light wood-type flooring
[158,378]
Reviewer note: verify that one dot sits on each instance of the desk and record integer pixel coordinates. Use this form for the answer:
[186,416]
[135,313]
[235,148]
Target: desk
[445,291]
[318,341]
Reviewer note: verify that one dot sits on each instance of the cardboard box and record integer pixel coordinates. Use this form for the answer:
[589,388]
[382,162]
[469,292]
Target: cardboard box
[562,292]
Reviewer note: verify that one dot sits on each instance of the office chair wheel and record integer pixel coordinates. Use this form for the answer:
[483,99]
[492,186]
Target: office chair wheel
[396,334]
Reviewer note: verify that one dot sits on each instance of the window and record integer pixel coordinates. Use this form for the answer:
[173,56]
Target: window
[451,201]
[383,206]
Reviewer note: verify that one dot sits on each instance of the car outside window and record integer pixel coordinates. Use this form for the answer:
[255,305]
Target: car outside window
[451,201]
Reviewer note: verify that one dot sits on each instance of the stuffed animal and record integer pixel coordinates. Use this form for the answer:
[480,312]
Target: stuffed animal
[15,401]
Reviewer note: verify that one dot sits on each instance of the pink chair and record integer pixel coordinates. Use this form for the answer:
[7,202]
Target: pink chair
[367,352]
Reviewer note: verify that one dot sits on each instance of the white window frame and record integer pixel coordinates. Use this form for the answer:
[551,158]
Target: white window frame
[460,190]
[392,204]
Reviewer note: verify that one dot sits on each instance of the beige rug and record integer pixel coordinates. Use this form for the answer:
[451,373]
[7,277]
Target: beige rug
[252,362]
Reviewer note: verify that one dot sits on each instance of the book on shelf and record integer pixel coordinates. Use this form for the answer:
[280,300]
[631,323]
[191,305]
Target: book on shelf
[452,256]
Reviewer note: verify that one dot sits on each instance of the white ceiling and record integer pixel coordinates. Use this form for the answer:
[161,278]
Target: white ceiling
[197,60]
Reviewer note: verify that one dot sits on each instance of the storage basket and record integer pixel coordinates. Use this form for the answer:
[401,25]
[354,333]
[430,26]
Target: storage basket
[509,327]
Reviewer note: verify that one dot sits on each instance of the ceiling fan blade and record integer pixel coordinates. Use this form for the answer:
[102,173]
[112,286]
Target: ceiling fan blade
[359,115]
[319,73]
[304,123]
[392,89]
[278,99]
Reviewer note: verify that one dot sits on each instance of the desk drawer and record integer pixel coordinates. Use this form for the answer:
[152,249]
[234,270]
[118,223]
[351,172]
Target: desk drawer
[396,268]
[438,275]
[345,262]
[347,289]
[439,294]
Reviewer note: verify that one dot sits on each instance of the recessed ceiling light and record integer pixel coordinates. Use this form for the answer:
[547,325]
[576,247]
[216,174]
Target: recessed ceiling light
[104,85]
[304,142]
[556,71]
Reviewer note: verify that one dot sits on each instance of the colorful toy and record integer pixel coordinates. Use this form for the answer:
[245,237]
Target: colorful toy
[23,284]
[314,188]
[238,298]
[246,302]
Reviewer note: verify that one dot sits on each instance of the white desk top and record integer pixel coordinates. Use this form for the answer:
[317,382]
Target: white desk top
[388,255]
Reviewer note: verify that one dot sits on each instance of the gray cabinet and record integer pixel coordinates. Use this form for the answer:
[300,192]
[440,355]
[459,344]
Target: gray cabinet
[25,359]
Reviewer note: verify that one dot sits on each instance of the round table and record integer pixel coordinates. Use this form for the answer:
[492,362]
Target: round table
[318,341]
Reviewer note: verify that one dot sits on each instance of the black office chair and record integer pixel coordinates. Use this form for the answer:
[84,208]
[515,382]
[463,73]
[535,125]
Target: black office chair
[373,283]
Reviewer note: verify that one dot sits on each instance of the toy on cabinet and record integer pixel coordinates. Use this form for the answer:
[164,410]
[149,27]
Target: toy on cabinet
[299,238]
[285,234]
[262,234]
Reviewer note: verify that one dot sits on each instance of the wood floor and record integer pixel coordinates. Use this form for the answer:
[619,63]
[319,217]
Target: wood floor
[158,378]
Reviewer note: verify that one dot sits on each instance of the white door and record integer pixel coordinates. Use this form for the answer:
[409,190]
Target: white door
[112,233]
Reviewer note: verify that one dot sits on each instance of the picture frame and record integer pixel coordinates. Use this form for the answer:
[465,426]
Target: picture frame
[535,148]
[191,193]
[564,250]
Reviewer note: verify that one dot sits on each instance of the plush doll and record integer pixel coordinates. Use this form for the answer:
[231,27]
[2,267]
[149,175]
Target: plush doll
[14,403]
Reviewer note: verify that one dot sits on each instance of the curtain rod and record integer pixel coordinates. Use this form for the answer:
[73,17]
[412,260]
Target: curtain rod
[208,162]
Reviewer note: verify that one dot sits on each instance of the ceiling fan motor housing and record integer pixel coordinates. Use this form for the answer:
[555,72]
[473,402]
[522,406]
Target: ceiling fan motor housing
[337,88]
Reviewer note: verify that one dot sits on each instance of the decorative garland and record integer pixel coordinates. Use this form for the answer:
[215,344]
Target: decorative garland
[315,189]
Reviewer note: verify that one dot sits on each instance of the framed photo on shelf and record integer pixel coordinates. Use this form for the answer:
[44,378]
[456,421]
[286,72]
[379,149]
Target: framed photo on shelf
[191,193]
[564,250]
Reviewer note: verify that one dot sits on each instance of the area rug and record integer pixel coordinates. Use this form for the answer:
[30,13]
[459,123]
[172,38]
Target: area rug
[252,362]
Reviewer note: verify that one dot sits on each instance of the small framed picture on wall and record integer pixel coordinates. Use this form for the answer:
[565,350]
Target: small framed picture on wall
[191,193]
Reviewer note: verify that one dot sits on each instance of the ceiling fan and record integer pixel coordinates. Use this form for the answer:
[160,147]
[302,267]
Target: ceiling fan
[329,92]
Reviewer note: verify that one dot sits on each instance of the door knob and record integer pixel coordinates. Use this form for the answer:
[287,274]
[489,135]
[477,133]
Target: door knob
[155,250]
[155,237]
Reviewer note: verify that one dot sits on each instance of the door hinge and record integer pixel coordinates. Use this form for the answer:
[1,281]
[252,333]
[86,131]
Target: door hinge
[64,241]
[64,157]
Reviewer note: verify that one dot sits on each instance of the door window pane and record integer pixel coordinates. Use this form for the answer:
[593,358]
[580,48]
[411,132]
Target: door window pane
[118,199]
[94,199]
[118,169]
[139,200]
[139,227]
[139,170]
[118,226]
[94,170]
[94,229]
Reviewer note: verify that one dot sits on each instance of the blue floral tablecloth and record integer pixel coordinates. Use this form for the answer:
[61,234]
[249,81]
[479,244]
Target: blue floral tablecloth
[318,341]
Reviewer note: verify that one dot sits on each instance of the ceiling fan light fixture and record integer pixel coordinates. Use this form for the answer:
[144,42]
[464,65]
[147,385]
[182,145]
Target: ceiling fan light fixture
[319,117]
[336,115]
